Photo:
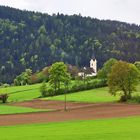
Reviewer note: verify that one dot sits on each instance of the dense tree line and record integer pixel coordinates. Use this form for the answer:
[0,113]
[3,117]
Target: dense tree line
[35,40]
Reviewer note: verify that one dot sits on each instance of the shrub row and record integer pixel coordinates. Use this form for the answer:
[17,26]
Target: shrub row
[77,87]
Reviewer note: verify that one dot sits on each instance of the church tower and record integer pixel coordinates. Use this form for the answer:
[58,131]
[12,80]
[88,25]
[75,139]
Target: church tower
[93,64]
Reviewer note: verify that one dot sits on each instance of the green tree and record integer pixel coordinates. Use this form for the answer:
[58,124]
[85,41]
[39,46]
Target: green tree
[58,75]
[103,73]
[26,76]
[42,30]
[43,89]
[23,78]
[137,64]
[123,79]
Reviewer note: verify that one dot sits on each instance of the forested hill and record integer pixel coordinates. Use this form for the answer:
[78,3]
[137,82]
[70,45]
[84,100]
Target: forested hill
[35,40]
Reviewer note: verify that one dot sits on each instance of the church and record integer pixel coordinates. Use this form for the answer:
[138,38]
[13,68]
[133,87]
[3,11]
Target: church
[91,70]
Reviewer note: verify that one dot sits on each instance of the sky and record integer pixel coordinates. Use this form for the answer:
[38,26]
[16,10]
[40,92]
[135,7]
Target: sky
[122,10]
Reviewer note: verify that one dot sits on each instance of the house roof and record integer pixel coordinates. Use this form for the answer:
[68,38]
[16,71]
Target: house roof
[87,70]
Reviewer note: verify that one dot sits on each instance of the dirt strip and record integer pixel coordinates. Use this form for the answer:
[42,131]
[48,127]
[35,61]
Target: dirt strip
[81,111]
[48,104]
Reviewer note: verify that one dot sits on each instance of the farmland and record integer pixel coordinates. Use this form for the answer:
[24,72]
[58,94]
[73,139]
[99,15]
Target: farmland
[94,112]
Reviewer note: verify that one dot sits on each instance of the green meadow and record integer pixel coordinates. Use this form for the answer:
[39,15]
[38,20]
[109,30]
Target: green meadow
[106,129]
[98,95]
[22,93]
[103,129]
[5,109]
[29,92]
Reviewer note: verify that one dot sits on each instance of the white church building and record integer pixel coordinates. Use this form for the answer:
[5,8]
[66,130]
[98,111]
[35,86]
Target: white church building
[89,71]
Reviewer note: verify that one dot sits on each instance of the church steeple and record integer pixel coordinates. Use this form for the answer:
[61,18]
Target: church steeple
[90,71]
[93,64]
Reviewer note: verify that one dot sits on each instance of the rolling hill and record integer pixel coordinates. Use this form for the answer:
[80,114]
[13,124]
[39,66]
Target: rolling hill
[35,40]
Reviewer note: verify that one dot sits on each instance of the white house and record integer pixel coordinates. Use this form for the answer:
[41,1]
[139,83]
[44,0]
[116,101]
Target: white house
[89,71]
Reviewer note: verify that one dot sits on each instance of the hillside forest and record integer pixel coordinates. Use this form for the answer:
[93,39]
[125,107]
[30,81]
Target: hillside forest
[33,40]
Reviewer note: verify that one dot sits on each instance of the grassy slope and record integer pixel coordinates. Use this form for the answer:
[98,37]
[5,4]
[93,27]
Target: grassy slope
[109,129]
[29,92]
[25,95]
[4,109]
[32,91]
[95,96]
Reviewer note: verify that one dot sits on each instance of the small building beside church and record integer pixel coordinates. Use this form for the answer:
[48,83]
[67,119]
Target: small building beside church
[91,70]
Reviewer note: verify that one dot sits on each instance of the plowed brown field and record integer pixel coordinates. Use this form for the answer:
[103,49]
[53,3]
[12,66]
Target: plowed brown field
[76,111]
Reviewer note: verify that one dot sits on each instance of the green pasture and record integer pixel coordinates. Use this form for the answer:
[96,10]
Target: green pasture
[94,96]
[29,92]
[106,129]
[12,89]
[98,95]
[5,109]
[25,95]
[22,93]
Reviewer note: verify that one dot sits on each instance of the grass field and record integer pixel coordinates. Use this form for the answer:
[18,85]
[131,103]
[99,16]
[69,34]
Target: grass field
[94,96]
[22,93]
[98,95]
[107,129]
[104,129]
[4,109]
[29,92]
[25,95]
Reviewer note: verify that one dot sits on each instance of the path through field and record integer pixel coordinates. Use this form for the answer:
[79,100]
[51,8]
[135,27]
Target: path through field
[76,111]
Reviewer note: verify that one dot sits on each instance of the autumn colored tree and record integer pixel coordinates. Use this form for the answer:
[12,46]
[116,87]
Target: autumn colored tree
[137,64]
[123,79]
[73,70]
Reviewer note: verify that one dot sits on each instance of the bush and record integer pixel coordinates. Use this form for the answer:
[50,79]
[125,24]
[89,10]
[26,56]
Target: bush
[123,98]
[90,85]
[5,85]
[43,89]
[135,99]
[76,87]
[4,98]
[50,92]
[60,91]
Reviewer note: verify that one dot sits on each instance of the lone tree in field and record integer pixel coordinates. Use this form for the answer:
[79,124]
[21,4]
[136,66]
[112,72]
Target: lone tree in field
[123,79]
[58,75]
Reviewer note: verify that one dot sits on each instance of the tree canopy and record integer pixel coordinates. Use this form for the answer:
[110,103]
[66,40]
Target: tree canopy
[123,79]
[58,74]
[106,69]
[137,64]
[23,78]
